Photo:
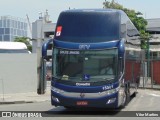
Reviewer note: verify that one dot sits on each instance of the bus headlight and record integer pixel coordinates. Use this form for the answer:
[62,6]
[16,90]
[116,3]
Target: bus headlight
[55,99]
[112,100]
[109,92]
[56,90]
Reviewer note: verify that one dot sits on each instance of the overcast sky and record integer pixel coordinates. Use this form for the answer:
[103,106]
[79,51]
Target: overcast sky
[19,8]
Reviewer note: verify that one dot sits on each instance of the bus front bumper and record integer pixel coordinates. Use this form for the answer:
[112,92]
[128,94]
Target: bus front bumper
[85,100]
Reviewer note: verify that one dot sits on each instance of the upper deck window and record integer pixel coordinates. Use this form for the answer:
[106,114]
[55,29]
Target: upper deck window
[87,27]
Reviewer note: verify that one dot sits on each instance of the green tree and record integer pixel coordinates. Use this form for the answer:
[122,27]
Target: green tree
[137,19]
[24,40]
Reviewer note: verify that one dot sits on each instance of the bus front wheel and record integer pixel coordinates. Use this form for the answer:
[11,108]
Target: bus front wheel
[126,98]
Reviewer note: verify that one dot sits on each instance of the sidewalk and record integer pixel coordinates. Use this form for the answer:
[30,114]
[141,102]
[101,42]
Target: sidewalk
[29,97]
[24,98]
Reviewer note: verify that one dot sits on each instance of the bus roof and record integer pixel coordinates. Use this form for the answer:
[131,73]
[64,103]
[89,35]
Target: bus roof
[93,10]
[12,45]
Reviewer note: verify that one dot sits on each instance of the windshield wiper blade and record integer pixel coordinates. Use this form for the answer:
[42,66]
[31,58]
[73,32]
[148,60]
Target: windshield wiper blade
[58,78]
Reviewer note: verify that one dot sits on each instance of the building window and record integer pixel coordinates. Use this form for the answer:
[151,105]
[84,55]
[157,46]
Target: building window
[1,23]
[6,38]
[16,25]
[19,25]
[1,30]
[15,31]
[1,38]
[8,23]
[4,23]
[12,23]
[7,31]
[25,26]
[12,32]
[18,33]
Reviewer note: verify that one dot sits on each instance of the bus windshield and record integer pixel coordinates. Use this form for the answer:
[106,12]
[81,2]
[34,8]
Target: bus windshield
[82,66]
[88,27]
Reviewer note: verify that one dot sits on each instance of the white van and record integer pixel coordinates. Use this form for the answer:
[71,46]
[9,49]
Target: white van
[13,47]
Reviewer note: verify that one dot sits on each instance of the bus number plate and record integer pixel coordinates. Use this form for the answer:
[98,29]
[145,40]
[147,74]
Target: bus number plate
[81,103]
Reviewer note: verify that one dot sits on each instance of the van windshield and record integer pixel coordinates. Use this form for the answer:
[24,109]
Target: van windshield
[88,27]
[14,51]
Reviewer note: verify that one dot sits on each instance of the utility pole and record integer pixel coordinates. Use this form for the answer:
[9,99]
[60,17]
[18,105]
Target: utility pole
[40,62]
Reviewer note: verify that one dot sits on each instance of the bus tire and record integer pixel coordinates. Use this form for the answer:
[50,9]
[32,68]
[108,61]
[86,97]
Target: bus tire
[135,92]
[126,98]
[69,107]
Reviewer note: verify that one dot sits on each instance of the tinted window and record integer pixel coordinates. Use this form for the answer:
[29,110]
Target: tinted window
[75,66]
[88,26]
[13,51]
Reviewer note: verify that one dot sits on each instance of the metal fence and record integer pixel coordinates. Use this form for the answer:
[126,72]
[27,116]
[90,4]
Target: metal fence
[150,71]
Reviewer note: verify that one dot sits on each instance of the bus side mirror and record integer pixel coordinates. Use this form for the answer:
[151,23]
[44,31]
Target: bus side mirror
[121,49]
[47,49]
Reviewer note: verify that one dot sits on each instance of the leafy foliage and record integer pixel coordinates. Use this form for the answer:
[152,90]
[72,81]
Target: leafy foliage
[139,22]
[24,40]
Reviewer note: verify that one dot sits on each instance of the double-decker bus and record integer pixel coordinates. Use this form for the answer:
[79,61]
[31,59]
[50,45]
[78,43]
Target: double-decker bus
[89,58]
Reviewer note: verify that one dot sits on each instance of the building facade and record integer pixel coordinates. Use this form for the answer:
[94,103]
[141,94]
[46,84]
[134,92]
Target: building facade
[153,28]
[12,27]
[42,29]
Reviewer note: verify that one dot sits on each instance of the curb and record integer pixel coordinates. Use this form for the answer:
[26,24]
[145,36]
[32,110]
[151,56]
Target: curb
[20,102]
[16,102]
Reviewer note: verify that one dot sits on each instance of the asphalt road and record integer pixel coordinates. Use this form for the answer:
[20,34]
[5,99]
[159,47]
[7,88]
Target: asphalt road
[146,100]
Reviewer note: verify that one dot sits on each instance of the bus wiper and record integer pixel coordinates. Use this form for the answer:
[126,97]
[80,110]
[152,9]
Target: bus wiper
[75,77]
[57,78]
[66,78]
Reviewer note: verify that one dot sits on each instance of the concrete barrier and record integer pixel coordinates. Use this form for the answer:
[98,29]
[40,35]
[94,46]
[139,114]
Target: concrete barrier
[18,73]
